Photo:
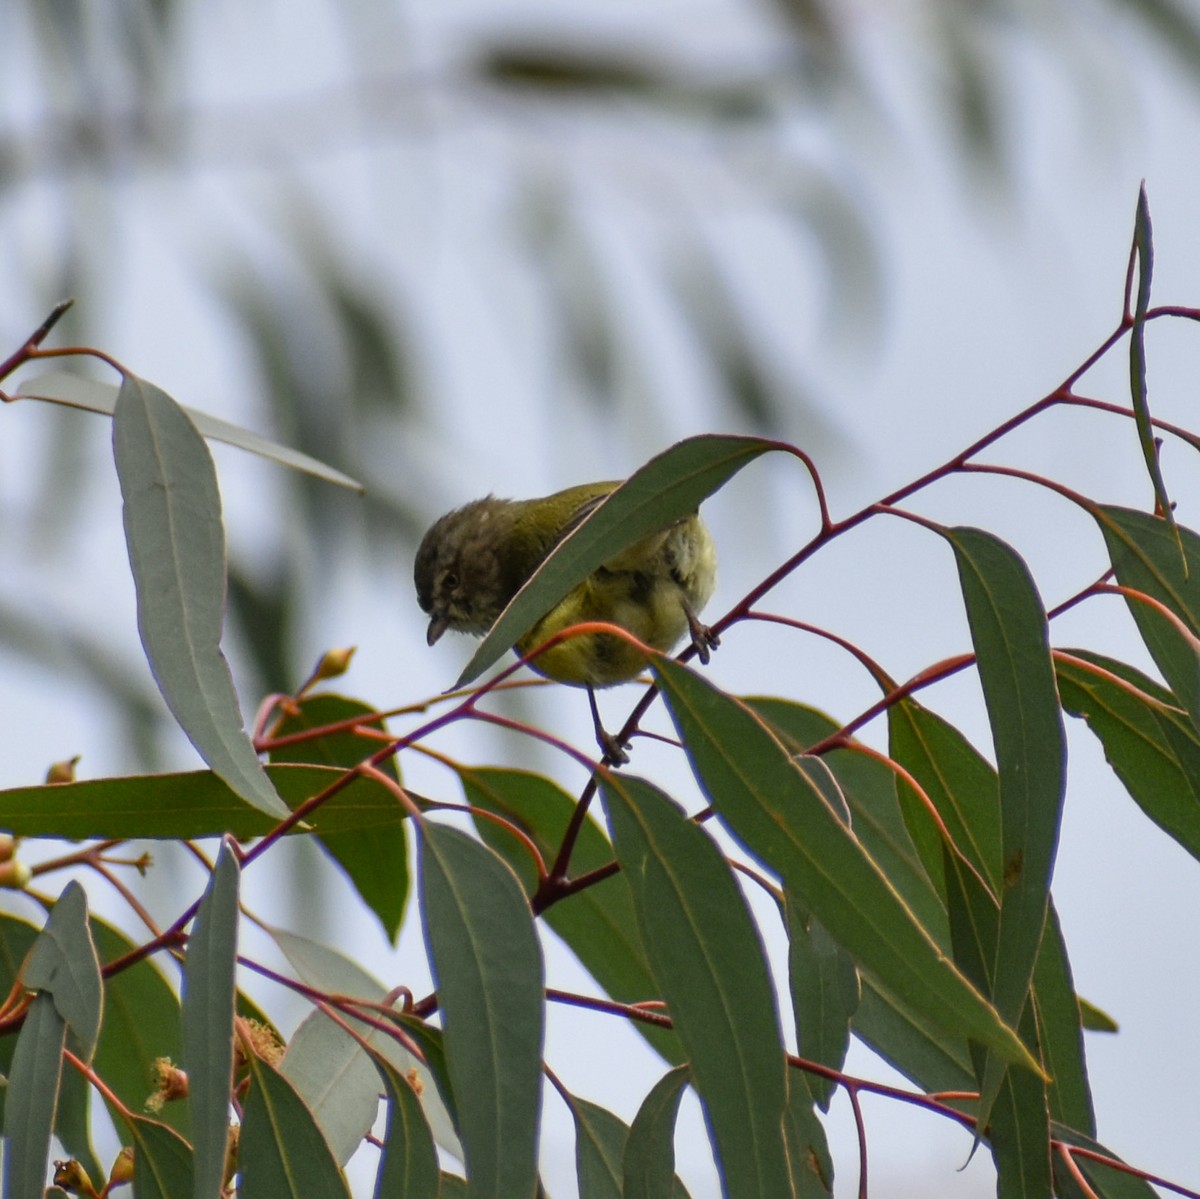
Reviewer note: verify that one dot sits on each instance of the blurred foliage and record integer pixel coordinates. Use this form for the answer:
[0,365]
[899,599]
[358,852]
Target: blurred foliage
[136,120]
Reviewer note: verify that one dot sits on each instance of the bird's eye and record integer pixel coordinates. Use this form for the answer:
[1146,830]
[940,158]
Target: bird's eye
[450,580]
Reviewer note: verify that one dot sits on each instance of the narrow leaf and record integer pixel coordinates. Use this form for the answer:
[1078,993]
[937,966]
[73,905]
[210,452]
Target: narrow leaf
[1151,744]
[209,989]
[191,804]
[808,1147]
[162,1162]
[1107,1182]
[911,1043]
[597,923]
[91,395]
[1010,636]
[648,1167]
[1143,248]
[705,951]
[599,1149]
[825,994]
[32,1095]
[668,487]
[63,963]
[868,788]
[1019,1132]
[1163,561]
[409,1166]
[959,781]
[781,817]
[487,964]
[176,543]
[282,1153]
[600,1141]
[1060,1032]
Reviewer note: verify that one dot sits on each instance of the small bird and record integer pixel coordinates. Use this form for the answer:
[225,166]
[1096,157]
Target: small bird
[475,559]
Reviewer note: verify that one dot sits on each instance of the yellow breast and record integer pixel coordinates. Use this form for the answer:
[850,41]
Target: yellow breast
[646,590]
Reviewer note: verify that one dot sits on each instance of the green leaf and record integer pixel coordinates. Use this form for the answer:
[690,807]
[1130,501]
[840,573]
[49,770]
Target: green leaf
[648,1166]
[1011,641]
[487,964]
[1151,744]
[176,542]
[162,1163]
[1019,1131]
[32,1096]
[1060,1032]
[599,1148]
[670,486]
[16,938]
[375,860]
[91,395]
[774,809]
[1151,556]
[959,781]
[281,1150]
[808,1148]
[208,1008]
[1143,247]
[1107,1182]
[825,994]
[600,1141]
[63,963]
[335,1079]
[189,805]
[409,1166]
[597,923]
[706,954]
[911,1042]
[868,789]
[1095,1019]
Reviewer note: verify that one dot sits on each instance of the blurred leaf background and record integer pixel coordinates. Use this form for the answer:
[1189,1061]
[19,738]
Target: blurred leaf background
[388,217]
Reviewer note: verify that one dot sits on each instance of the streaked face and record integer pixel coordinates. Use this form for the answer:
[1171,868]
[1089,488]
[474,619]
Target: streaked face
[457,572]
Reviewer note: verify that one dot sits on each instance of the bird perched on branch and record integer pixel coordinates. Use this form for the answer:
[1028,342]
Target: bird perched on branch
[475,559]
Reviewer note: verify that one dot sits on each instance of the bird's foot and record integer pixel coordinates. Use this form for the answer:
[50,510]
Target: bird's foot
[703,638]
[612,747]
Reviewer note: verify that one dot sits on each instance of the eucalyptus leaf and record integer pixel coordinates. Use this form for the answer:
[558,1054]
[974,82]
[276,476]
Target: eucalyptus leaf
[91,395]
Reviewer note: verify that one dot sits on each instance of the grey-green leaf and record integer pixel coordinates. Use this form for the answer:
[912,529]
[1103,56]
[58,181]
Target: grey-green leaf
[648,1166]
[281,1151]
[162,1161]
[209,993]
[63,963]
[668,487]
[706,954]
[1143,244]
[487,963]
[176,543]
[91,395]
[1163,561]
[777,813]
[1150,742]
[33,1084]
[1011,640]
[409,1166]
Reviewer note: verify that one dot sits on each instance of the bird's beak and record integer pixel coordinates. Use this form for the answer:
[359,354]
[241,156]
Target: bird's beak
[437,626]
